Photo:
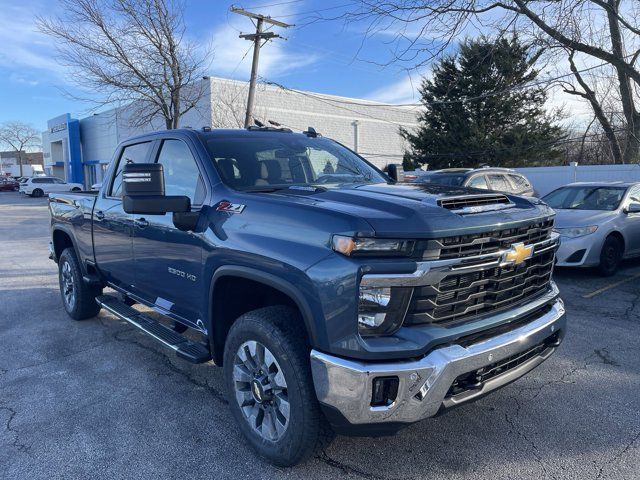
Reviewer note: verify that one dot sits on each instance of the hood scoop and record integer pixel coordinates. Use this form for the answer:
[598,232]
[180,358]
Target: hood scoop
[465,204]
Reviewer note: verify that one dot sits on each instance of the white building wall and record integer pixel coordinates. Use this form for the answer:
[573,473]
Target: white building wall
[223,106]
[547,179]
[379,138]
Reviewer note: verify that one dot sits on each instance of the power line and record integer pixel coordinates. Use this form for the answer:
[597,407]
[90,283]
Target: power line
[257,39]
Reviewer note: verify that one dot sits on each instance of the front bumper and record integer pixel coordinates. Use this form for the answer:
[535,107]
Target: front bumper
[344,387]
[580,251]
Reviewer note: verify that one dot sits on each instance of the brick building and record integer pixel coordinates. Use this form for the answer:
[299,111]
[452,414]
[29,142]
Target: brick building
[79,150]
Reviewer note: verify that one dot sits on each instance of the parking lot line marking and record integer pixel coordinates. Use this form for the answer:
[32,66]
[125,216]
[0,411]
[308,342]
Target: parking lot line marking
[610,286]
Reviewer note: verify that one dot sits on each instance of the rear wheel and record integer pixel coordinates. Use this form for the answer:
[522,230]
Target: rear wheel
[610,256]
[37,192]
[267,373]
[78,298]
[75,189]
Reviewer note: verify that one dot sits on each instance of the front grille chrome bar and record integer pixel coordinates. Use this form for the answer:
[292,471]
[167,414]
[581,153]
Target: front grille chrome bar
[432,272]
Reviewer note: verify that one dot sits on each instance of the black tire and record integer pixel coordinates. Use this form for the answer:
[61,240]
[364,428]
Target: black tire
[76,189]
[78,298]
[37,192]
[610,256]
[279,330]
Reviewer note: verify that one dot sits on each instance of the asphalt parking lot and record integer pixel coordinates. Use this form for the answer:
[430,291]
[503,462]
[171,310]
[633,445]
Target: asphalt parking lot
[99,399]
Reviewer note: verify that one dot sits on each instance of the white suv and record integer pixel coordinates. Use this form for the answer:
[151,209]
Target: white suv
[39,186]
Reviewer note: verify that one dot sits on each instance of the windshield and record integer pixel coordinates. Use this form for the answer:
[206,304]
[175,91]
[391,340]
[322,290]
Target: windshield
[586,198]
[279,160]
[450,179]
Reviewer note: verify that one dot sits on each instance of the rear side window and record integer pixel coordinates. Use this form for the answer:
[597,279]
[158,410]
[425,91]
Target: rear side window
[499,183]
[520,183]
[137,153]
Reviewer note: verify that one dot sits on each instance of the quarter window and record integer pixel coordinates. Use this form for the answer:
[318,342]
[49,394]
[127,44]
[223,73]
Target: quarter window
[519,182]
[132,153]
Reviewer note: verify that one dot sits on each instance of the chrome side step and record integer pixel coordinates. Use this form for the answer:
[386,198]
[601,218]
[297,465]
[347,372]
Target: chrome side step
[187,349]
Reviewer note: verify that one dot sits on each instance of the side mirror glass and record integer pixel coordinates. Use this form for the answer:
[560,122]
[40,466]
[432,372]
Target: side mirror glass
[396,172]
[143,191]
[632,208]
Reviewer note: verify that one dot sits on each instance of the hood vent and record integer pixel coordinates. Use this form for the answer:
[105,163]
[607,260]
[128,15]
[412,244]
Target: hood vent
[475,203]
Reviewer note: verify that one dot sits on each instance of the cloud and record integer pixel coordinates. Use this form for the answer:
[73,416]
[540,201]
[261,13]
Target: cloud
[404,90]
[23,47]
[232,55]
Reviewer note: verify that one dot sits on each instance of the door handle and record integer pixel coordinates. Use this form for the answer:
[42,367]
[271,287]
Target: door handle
[141,222]
[99,214]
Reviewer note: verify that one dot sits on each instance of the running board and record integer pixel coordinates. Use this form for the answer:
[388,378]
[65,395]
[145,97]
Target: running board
[187,349]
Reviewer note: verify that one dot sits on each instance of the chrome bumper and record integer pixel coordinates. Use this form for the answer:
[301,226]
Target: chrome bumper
[346,385]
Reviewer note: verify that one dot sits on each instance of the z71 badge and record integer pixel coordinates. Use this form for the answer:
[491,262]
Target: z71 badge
[229,207]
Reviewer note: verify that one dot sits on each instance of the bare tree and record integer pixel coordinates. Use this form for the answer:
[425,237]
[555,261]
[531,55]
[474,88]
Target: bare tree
[19,136]
[130,52]
[599,31]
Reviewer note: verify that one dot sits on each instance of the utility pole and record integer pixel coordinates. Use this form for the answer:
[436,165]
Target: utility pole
[257,39]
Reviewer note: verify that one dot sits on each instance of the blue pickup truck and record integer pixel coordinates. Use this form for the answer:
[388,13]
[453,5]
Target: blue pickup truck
[335,297]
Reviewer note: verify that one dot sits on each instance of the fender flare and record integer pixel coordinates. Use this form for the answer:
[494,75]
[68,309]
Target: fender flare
[69,233]
[270,280]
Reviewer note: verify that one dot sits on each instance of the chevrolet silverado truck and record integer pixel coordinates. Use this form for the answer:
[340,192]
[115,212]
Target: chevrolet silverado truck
[335,298]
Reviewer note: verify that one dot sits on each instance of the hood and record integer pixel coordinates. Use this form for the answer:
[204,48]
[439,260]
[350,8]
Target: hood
[411,210]
[582,218]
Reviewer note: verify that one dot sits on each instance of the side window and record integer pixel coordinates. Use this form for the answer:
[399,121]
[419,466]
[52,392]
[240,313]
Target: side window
[634,194]
[479,181]
[133,153]
[520,183]
[499,183]
[181,174]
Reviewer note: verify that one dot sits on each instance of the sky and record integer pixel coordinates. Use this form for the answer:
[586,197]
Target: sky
[322,56]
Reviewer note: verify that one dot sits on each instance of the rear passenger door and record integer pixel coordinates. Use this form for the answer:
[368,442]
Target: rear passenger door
[112,227]
[168,261]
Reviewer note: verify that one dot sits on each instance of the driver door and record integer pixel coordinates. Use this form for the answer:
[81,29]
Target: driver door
[168,261]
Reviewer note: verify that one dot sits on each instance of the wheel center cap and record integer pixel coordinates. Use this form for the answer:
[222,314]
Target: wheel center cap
[257,391]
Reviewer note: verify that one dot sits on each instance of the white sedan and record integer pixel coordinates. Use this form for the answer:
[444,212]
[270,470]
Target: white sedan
[39,186]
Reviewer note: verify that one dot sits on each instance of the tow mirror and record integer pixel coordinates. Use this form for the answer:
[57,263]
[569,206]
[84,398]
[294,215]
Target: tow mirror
[632,208]
[396,172]
[143,191]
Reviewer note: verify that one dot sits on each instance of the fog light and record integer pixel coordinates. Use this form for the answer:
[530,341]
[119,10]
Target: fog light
[384,391]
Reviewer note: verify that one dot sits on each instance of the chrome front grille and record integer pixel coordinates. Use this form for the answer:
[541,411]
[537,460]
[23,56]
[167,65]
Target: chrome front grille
[488,242]
[491,287]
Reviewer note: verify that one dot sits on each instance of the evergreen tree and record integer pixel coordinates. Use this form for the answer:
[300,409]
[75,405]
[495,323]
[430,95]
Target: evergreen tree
[479,109]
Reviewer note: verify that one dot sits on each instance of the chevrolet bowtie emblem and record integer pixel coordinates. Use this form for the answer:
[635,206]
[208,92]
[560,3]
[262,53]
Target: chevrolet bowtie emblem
[518,253]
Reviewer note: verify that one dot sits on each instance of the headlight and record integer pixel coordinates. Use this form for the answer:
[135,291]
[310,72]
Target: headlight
[381,310]
[573,232]
[370,246]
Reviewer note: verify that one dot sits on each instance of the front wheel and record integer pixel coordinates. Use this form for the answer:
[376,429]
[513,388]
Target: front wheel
[78,298]
[610,256]
[75,189]
[267,374]
[37,193]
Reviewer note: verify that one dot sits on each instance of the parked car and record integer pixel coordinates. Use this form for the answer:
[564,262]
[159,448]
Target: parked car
[39,186]
[334,299]
[497,179]
[8,184]
[599,224]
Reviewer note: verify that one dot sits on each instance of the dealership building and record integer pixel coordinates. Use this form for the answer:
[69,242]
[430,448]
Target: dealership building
[79,150]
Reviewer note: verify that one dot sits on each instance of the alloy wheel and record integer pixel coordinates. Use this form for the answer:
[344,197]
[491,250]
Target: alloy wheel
[68,286]
[261,390]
